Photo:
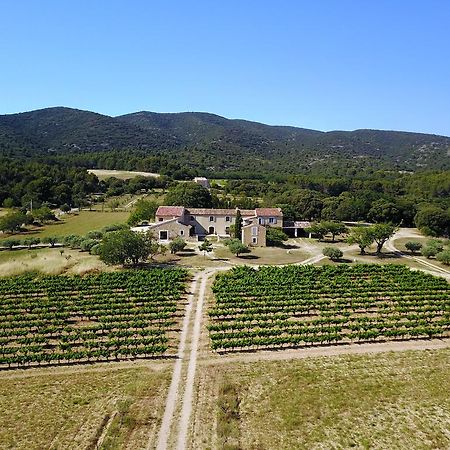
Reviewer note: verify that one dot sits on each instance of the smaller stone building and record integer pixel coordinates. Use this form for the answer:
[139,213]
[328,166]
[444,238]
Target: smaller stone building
[166,231]
[253,234]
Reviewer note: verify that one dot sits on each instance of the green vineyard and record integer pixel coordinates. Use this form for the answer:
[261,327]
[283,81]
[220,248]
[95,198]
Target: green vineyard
[62,319]
[295,306]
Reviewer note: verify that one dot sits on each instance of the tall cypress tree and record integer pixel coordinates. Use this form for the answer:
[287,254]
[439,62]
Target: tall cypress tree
[238,225]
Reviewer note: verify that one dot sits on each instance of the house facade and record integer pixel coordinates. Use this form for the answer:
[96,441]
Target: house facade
[195,223]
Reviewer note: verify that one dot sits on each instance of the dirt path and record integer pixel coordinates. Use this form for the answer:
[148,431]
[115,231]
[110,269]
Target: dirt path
[190,378]
[330,350]
[428,266]
[174,389]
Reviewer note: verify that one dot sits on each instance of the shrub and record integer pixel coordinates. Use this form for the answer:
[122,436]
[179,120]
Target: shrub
[114,227]
[87,244]
[52,240]
[94,234]
[72,241]
[432,248]
[275,237]
[236,247]
[177,245]
[444,257]
[10,243]
[332,253]
[413,246]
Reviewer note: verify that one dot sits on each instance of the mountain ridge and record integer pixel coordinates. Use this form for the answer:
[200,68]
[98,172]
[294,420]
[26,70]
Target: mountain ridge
[200,139]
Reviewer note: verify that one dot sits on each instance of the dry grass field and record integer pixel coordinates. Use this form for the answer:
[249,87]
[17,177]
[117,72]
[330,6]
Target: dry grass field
[108,407]
[49,261]
[380,401]
[263,255]
[103,174]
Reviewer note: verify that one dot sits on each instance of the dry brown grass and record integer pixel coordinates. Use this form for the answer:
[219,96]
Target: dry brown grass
[49,261]
[47,409]
[383,401]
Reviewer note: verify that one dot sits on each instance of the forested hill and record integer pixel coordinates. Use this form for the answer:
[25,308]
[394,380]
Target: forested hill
[214,143]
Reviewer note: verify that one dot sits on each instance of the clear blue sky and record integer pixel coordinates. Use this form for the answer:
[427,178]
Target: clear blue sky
[324,64]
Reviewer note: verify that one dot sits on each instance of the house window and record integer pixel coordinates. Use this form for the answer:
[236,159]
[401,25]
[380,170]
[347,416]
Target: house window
[254,231]
[227,230]
[211,218]
[254,240]
[181,232]
[227,218]
[261,221]
[163,235]
[272,220]
[211,230]
[161,219]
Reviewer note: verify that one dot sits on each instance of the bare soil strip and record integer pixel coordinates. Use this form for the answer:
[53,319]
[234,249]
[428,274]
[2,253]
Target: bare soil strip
[172,396]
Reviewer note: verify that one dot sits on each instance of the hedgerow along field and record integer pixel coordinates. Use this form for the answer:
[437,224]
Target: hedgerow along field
[69,319]
[295,306]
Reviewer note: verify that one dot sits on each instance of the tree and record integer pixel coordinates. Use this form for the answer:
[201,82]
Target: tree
[8,202]
[190,195]
[432,248]
[333,253]
[444,257]
[205,247]
[362,236]
[65,208]
[275,236]
[413,246]
[12,221]
[72,240]
[87,244]
[237,247]
[29,242]
[52,240]
[43,214]
[95,234]
[177,245]
[319,230]
[10,243]
[113,204]
[143,210]
[383,211]
[238,225]
[381,233]
[334,228]
[125,247]
[433,220]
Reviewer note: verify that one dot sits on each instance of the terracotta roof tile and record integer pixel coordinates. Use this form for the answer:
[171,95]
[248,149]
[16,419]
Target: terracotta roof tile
[170,211]
[276,212]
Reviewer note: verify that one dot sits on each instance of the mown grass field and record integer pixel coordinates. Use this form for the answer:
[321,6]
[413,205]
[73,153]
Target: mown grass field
[79,223]
[381,401]
[115,407]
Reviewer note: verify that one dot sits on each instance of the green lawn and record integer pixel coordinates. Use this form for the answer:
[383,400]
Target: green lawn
[383,401]
[79,223]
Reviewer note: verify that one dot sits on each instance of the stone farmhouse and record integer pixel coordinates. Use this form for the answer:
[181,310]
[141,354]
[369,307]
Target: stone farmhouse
[196,223]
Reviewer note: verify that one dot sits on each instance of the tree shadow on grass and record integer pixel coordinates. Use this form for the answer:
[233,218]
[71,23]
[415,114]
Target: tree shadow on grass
[248,257]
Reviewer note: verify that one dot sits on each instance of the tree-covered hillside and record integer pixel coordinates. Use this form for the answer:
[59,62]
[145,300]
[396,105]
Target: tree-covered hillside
[211,143]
